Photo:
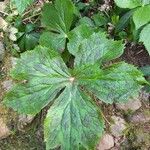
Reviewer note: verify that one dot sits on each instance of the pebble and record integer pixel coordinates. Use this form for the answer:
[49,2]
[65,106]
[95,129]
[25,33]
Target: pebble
[106,142]
[12,37]
[140,117]
[132,105]
[3,23]
[7,85]
[24,120]
[2,6]
[13,61]
[118,126]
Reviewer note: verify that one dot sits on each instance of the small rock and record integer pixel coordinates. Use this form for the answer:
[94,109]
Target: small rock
[7,85]
[144,96]
[13,30]
[3,23]
[118,127]
[12,37]
[132,105]
[2,6]
[16,47]
[13,61]
[106,142]
[140,117]
[2,51]
[4,131]
[24,120]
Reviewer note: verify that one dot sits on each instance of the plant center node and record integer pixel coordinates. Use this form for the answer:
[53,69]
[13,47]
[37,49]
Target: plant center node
[71,79]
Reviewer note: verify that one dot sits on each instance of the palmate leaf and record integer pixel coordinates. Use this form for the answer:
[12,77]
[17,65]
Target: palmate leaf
[57,18]
[73,121]
[145,37]
[46,75]
[22,4]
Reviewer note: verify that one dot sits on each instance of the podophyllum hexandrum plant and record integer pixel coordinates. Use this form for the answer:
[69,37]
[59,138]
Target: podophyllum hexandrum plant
[73,121]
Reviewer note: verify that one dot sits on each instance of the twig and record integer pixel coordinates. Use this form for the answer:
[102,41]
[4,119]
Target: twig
[6,14]
[31,17]
[105,118]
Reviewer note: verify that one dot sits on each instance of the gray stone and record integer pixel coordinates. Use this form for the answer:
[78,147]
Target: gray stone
[132,105]
[144,96]
[140,117]
[2,6]
[3,23]
[13,61]
[24,120]
[2,51]
[7,85]
[118,126]
[106,142]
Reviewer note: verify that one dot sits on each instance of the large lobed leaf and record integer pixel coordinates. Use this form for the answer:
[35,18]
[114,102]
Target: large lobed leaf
[73,121]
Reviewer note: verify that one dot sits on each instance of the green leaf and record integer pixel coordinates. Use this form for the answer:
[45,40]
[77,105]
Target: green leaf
[45,75]
[100,19]
[145,2]
[58,18]
[98,48]
[145,37]
[86,21]
[27,38]
[141,16]
[128,3]
[76,36]
[22,4]
[124,20]
[28,41]
[53,40]
[73,122]
[115,83]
